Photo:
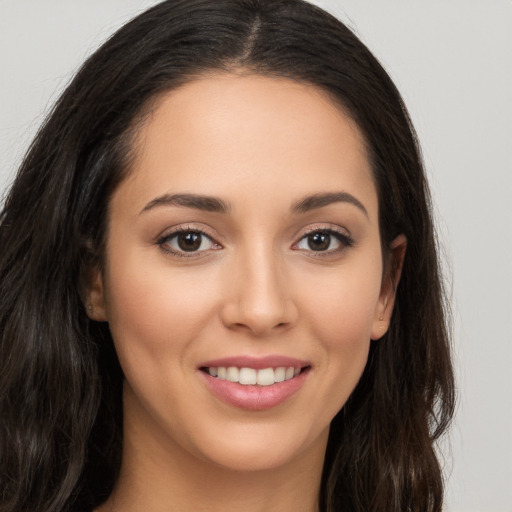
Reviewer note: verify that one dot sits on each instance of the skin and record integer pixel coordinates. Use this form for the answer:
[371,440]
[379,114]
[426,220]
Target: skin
[255,287]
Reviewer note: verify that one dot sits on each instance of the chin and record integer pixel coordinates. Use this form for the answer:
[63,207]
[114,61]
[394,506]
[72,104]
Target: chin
[251,451]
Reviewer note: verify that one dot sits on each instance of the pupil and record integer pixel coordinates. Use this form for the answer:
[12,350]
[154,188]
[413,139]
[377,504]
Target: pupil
[189,241]
[319,241]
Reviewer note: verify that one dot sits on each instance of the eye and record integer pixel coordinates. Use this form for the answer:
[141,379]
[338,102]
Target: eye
[187,241]
[324,240]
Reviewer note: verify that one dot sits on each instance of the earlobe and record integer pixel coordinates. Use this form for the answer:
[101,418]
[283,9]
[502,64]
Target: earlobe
[94,296]
[389,286]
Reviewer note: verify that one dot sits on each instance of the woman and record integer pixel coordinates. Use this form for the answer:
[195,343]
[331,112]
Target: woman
[220,285]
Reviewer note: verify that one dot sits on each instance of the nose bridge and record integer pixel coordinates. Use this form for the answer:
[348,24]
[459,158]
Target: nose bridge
[260,299]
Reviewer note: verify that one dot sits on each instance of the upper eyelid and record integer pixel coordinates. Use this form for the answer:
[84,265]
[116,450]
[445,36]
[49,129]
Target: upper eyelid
[169,232]
[333,232]
[323,227]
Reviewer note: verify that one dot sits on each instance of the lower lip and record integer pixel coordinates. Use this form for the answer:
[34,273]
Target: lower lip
[255,398]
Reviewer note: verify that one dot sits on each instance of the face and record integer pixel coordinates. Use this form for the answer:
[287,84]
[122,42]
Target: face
[244,279]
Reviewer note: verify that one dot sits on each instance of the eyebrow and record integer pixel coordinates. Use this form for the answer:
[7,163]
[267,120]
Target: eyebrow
[217,205]
[315,201]
[199,202]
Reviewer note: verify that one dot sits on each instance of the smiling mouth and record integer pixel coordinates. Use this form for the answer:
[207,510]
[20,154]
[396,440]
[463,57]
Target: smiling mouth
[251,376]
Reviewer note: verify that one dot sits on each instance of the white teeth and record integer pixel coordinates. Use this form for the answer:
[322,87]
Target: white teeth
[279,374]
[250,376]
[247,376]
[265,377]
[232,374]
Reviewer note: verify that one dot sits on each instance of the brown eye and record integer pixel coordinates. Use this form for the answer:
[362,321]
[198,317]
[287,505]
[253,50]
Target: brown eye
[189,241]
[324,240]
[319,241]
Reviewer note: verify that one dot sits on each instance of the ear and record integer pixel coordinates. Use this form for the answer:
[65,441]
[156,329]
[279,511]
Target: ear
[94,295]
[389,285]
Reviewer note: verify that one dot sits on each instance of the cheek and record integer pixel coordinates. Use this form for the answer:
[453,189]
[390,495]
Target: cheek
[341,315]
[345,302]
[152,308]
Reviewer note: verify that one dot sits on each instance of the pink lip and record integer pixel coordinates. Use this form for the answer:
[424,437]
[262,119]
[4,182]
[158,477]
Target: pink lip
[255,398]
[258,363]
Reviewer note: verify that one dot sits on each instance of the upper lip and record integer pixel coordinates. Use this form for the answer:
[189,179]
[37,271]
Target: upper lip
[256,362]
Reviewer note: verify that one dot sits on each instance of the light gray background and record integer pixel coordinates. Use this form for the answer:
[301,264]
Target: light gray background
[452,61]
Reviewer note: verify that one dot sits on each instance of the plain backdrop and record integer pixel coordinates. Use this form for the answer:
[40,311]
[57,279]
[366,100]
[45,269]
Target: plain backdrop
[452,61]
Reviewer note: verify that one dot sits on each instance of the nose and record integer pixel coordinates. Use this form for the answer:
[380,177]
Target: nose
[259,298]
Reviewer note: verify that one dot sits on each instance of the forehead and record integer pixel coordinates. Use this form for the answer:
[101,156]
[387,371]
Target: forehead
[222,133]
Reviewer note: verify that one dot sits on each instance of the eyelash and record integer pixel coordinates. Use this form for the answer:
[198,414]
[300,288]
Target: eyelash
[165,239]
[345,240]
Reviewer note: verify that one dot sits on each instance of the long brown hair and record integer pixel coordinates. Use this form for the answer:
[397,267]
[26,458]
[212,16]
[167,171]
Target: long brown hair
[60,381]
